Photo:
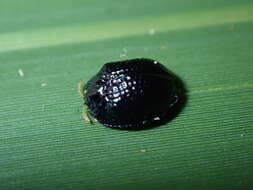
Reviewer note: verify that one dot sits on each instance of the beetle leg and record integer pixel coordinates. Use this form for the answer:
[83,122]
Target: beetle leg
[86,116]
[80,89]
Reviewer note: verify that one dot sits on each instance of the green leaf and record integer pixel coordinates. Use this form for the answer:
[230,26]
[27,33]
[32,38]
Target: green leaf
[47,47]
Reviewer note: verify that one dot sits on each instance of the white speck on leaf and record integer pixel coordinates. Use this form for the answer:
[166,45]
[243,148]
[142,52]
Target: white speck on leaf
[43,84]
[143,150]
[163,47]
[151,31]
[123,54]
[21,72]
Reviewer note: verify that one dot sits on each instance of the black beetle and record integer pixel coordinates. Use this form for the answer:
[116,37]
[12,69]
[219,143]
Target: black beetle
[131,94]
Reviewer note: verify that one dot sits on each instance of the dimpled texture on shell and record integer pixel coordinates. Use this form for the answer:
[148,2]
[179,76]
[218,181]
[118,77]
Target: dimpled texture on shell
[131,93]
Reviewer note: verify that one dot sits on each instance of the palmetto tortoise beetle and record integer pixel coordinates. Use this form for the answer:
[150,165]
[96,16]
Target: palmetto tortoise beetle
[132,94]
